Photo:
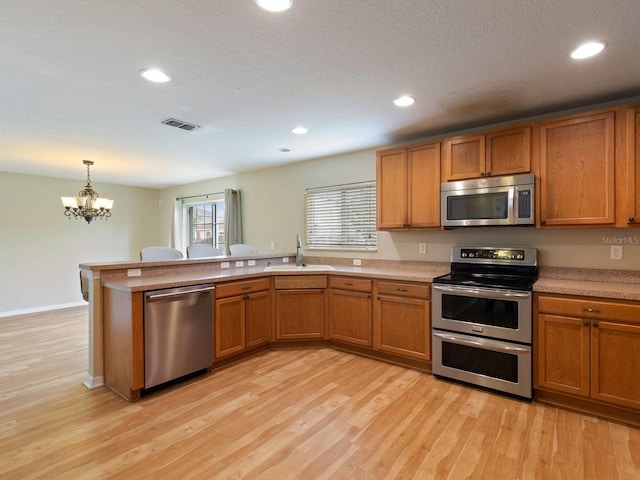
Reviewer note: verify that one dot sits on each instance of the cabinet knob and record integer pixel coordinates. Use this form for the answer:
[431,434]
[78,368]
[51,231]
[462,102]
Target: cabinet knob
[488,174]
[595,324]
[482,174]
[369,296]
[543,222]
[246,297]
[585,323]
[632,220]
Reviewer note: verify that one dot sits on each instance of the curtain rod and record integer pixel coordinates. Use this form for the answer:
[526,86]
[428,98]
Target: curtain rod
[203,195]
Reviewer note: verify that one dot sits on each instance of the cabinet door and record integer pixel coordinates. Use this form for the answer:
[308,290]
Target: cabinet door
[424,186]
[350,317]
[229,332]
[508,151]
[258,319]
[632,214]
[577,171]
[464,157]
[403,326]
[563,354]
[615,363]
[300,314]
[391,189]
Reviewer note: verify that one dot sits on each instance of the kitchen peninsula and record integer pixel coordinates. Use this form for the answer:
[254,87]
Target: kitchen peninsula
[378,291]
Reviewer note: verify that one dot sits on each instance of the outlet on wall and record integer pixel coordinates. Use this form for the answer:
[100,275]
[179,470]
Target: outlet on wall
[616,252]
[422,248]
[273,245]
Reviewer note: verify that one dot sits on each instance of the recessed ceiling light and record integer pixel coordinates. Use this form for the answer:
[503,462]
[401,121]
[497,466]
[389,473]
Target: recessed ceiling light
[155,75]
[404,101]
[275,5]
[299,130]
[587,50]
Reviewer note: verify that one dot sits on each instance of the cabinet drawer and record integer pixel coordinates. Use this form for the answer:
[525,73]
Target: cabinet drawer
[588,308]
[285,282]
[405,289]
[348,283]
[233,289]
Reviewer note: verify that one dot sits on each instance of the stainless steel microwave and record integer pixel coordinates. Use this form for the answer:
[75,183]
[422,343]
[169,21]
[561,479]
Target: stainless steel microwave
[488,201]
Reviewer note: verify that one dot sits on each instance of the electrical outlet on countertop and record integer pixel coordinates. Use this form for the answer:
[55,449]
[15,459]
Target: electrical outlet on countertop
[285,259]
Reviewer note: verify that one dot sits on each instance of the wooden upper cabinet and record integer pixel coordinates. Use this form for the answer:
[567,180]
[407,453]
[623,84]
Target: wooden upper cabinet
[577,164]
[630,215]
[501,152]
[408,187]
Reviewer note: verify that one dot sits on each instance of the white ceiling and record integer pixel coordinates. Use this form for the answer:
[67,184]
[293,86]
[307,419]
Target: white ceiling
[70,88]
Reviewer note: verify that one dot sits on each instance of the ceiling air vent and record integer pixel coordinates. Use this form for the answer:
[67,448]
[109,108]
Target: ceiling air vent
[180,124]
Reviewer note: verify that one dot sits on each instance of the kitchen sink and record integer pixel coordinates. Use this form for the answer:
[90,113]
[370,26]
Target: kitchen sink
[301,268]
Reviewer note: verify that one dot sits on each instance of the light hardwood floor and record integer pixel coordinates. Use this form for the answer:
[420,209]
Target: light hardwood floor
[292,414]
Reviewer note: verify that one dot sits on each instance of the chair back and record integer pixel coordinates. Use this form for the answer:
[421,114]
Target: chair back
[200,251]
[84,285]
[241,249]
[160,253]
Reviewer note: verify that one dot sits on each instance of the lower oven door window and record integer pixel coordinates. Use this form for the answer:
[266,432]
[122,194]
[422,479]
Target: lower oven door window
[502,366]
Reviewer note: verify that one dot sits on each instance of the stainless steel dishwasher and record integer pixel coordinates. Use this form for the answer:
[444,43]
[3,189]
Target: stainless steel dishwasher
[177,332]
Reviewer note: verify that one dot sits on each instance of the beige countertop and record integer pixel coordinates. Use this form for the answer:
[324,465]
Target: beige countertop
[169,280]
[615,284]
[624,285]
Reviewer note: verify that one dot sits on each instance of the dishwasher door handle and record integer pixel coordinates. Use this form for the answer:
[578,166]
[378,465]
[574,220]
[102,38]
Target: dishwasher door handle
[183,292]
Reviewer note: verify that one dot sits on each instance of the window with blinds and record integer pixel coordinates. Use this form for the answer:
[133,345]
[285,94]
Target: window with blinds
[341,217]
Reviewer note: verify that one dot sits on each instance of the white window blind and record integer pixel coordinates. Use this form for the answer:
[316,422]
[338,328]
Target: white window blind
[341,217]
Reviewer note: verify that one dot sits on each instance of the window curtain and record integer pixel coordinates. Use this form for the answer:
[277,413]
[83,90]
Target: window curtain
[177,230]
[232,219]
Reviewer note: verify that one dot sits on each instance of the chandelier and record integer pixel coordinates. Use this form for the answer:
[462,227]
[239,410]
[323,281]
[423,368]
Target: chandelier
[87,204]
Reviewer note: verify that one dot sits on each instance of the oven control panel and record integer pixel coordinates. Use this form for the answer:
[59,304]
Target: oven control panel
[512,256]
[502,254]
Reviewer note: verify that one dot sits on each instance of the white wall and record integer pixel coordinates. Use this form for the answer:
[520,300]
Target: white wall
[40,249]
[273,202]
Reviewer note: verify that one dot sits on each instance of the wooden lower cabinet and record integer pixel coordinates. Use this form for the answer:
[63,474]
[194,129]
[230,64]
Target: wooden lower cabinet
[589,348]
[243,316]
[402,319]
[123,340]
[300,307]
[350,310]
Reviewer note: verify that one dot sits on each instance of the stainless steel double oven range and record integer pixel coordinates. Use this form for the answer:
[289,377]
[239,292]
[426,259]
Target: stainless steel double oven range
[482,318]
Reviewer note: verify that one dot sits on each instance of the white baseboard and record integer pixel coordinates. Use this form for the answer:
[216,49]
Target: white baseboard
[93,382]
[11,313]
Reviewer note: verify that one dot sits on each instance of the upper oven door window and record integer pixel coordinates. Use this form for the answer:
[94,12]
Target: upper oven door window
[487,311]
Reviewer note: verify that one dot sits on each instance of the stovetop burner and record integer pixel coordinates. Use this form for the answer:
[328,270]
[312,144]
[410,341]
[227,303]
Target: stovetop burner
[489,267]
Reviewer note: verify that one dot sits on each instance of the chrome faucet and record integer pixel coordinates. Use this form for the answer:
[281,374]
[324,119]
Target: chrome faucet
[298,251]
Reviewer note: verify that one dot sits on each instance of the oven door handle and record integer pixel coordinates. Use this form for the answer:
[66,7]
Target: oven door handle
[483,343]
[482,292]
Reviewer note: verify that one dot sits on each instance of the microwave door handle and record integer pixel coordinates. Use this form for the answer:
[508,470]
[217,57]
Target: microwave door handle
[483,343]
[511,208]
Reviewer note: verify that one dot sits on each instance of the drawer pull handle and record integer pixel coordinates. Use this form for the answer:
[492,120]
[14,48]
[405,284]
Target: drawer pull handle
[590,310]
[348,284]
[246,287]
[401,289]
